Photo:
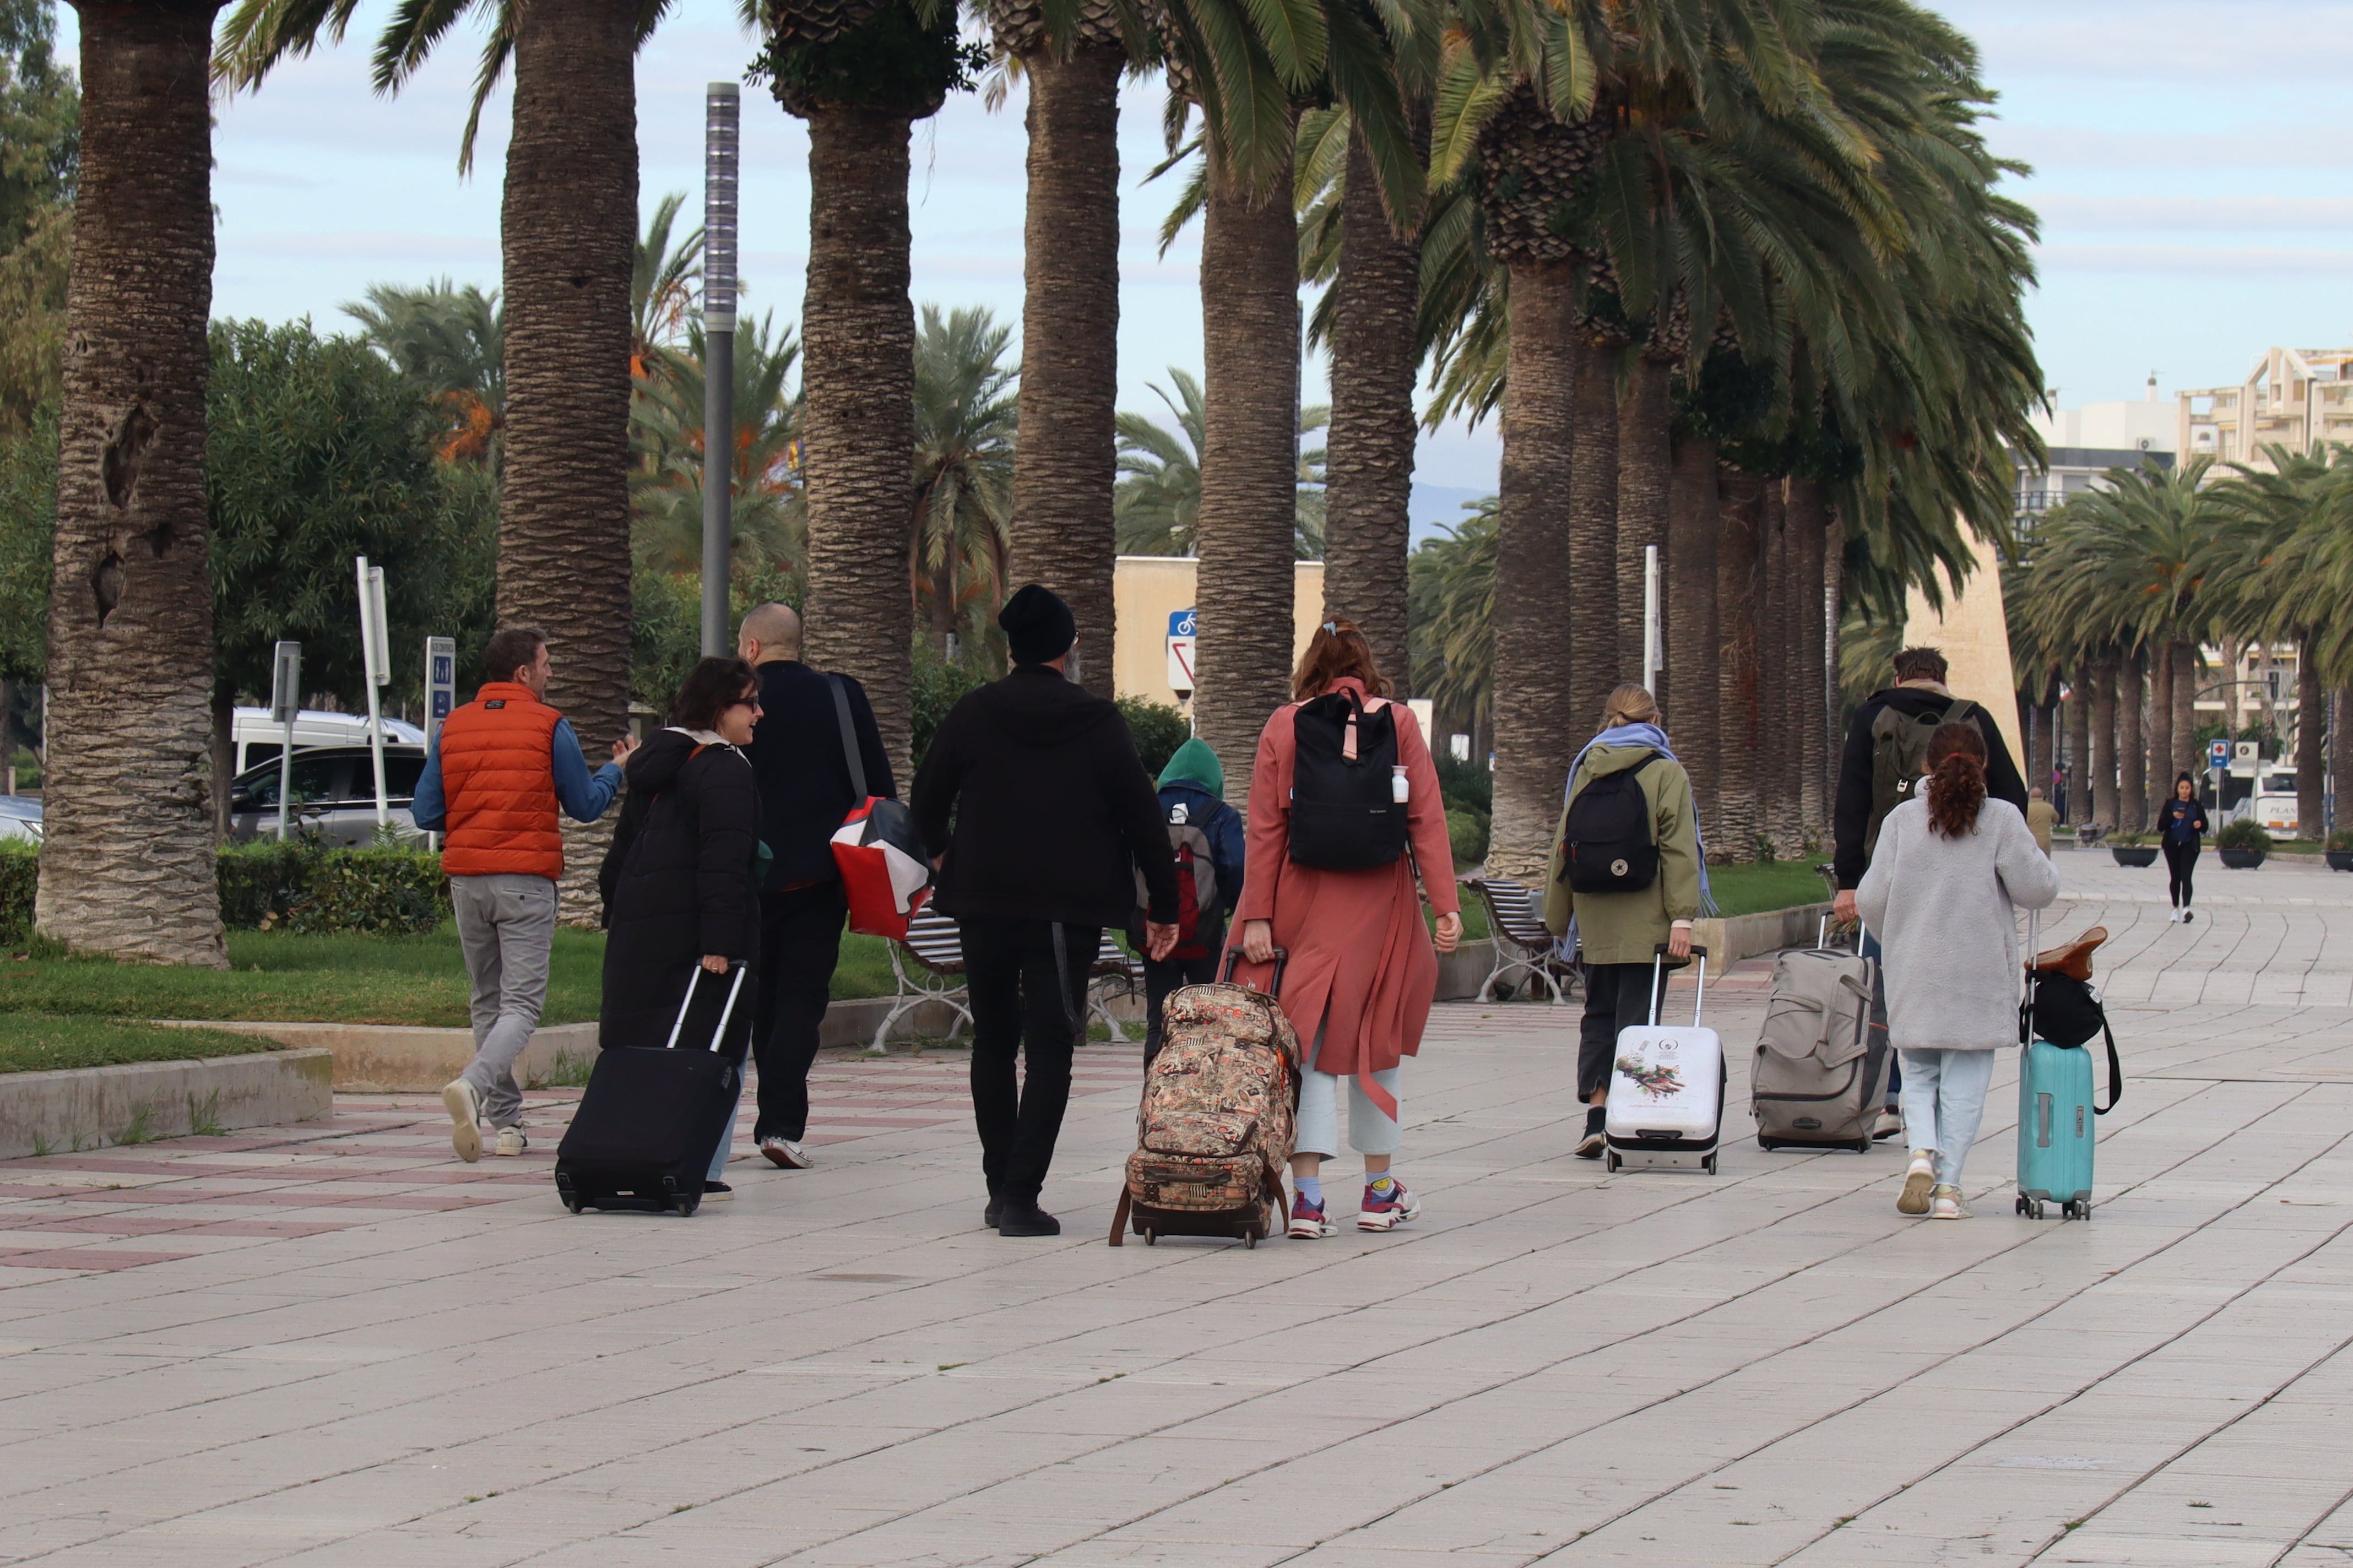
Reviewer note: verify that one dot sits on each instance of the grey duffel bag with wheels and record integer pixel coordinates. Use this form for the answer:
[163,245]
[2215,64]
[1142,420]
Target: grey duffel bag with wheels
[1821,1070]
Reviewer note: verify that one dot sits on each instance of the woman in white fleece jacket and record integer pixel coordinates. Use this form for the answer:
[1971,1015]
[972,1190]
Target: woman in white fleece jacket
[1949,871]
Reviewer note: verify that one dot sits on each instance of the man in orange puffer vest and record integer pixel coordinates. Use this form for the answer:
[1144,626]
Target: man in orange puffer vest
[497,773]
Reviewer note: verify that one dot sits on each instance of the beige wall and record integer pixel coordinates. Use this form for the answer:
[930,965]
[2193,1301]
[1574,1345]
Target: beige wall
[1148,588]
[1973,634]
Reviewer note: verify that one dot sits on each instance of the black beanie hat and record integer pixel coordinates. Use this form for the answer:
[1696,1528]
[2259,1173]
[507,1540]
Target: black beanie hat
[1038,625]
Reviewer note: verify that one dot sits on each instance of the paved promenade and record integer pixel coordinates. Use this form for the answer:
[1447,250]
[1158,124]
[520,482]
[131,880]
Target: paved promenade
[334,1346]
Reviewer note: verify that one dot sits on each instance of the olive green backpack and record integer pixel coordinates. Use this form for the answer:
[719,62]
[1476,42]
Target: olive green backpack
[1899,745]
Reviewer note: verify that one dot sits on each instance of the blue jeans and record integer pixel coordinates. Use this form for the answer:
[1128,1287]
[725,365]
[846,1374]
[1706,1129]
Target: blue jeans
[1944,1104]
[1870,949]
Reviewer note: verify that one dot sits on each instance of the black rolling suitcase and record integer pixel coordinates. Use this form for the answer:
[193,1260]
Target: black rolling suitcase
[650,1119]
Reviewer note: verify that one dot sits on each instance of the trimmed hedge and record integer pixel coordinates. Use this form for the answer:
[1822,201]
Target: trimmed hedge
[267,886]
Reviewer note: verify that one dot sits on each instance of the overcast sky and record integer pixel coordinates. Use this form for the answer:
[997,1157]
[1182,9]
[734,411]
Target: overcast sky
[2189,166]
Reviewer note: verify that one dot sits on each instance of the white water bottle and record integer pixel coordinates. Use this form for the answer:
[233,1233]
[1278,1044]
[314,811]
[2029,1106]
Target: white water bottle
[1399,789]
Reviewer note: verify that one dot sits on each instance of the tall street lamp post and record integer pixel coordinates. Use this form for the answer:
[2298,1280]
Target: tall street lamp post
[722,111]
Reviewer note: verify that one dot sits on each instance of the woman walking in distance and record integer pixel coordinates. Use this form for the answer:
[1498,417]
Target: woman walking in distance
[1619,911]
[2183,823]
[1950,872]
[1343,812]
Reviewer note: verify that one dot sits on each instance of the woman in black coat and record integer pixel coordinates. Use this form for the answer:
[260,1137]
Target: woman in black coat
[680,883]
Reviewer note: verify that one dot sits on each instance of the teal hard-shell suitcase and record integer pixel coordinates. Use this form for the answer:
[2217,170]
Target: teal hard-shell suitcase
[2055,1134]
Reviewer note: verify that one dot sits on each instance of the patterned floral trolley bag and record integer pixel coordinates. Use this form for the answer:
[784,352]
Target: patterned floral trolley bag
[1219,1114]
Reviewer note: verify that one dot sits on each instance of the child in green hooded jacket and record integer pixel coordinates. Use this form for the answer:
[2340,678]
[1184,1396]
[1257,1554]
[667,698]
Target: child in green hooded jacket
[1193,799]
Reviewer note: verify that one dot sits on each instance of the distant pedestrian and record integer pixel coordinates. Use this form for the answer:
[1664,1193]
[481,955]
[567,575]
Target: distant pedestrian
[681,883]
[1360,971]
[2183,822]
[2041,814]
[1878,768]
[1620,933]
[802,768]
[1949,871]
[497,773]
[1205,836]
[1051,813]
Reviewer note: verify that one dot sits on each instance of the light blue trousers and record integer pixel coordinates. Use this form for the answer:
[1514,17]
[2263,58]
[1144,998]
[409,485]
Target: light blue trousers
[1943,1101]
[1370,1131]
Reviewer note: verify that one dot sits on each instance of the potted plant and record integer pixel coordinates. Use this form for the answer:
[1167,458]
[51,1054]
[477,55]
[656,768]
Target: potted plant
[2339,850]
[2243,843]
[2133,848]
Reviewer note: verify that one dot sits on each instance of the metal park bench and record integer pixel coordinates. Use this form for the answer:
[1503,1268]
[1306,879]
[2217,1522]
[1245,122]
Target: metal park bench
[1523,948]
[927,965]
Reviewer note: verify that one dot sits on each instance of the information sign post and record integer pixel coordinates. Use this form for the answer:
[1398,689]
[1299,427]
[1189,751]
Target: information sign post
[285,702]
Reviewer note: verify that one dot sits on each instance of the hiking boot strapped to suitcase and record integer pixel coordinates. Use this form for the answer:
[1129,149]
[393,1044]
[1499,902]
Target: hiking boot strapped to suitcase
[1215,1132]
[1819,1073]
[1666,1088]
[650,1121]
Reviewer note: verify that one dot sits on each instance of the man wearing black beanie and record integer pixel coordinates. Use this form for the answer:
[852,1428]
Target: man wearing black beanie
[1052,814]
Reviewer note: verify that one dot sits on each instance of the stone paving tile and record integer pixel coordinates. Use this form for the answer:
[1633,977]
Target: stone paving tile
[332,1344]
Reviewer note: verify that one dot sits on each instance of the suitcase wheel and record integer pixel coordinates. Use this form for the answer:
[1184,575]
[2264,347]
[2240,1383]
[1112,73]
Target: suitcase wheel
[1707,1163]
[685,1206]
[1611,1162]
[1861,1145]
[571,1203]
[1249,1239]
[1151,1236]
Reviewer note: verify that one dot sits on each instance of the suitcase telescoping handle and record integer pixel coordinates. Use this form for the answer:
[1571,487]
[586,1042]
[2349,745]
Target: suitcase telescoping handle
[1658,973]
[693,979]
[1282,957]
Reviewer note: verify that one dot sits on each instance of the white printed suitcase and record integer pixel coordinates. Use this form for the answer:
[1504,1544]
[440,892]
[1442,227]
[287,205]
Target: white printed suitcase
[1666,1088]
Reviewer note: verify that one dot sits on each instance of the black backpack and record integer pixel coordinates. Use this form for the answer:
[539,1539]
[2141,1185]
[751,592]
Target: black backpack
[1609,845]
[1899,745]
[1344,815]
[2064,1011]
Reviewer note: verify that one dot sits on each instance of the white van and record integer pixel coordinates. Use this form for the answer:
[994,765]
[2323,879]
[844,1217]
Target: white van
[255,737]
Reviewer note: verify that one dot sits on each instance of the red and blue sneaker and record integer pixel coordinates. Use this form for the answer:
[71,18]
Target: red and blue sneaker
[1387,1211]
[1307,1221]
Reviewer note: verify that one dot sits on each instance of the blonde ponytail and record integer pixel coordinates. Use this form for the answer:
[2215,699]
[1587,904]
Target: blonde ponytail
[1630,704]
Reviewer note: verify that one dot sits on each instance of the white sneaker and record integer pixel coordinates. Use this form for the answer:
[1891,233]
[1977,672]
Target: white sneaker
[1949,1205]
[2173,918]
[786,1154]
[510,1142]
[1889,1124]
[1918,1180]
[465,1108]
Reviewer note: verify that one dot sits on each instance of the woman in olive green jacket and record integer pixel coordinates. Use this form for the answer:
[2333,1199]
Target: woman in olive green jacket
[1618,934]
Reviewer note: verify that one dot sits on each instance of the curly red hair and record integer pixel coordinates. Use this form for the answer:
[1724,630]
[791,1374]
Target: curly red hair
[1957,779]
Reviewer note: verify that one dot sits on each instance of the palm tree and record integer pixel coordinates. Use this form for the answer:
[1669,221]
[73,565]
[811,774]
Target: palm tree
[1071,58]
[127,863]
[662,279]
[959,551]
[859,73]
[450,342]
[1157,502]
[1452,588]
[666,433]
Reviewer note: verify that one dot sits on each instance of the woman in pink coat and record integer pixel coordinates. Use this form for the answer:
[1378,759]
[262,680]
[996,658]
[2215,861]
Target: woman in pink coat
[1360,971]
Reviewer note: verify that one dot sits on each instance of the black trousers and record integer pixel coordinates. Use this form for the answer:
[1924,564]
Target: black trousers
[1020,1008]
[1616,996]
[800,942]
[2180,867]
[1164,976]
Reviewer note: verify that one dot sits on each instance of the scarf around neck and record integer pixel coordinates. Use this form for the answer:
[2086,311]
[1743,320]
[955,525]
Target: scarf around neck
[1652,736]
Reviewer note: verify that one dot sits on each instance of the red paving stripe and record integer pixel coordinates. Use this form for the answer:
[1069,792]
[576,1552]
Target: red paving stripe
[91,1258]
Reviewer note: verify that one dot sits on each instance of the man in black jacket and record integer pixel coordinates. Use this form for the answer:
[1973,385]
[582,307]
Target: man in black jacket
[1919,692]
[1052,812]
[806,789]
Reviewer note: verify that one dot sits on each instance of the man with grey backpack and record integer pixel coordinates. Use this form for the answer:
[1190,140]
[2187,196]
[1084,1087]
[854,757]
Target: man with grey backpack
[1879,769]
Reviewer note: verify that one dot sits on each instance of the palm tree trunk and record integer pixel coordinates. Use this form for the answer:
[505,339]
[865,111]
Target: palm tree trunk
[1807,521]
[127,863]
[1834,707]
[1063,466]
[2160,723]
[2185,709]
[1250,340]
[857,345]
[2039,748]
[1688,697]
[1593,534]
[1777,658]
[1368,488]
[1739,711]
[1537,597]
[2340,749]
[2310,748]
[2078,703]
[1645,459]
[2132,753]
[568,231]
[2104,739]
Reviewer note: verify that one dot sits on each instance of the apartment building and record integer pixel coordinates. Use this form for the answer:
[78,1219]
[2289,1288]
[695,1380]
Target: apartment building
[2293,397]
[2084,443]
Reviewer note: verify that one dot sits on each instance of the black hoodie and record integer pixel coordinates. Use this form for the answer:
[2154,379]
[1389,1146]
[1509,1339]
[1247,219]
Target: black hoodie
[679,881]
[1850,817]
[1052,810]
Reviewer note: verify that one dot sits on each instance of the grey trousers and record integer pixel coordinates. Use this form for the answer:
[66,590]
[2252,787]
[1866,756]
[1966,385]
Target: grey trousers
[506,924]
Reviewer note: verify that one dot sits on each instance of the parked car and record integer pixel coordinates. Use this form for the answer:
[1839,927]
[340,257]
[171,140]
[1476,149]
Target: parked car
[333,793]
[255,737]
[20,818]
